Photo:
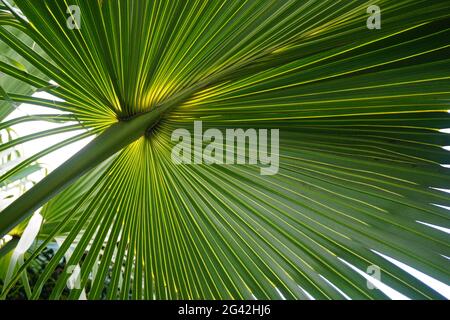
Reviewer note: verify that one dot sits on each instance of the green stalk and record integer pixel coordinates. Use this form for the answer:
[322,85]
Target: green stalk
[101,148]
[9,246]
[98,150]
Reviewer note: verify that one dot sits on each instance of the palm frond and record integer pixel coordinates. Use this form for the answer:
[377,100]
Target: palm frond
[359,113]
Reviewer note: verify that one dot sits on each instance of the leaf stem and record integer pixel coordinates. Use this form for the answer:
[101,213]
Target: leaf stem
[101,148]
[9,246]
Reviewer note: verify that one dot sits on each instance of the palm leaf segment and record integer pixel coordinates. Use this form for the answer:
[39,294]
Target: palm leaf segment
[359,113]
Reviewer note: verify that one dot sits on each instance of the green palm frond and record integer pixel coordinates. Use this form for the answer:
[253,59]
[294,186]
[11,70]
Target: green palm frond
[359,113]
[10,59]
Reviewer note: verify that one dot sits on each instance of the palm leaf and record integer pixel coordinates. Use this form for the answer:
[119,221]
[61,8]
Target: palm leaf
[360,177]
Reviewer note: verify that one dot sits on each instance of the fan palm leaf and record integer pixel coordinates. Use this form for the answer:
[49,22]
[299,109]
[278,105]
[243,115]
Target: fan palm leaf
[359,112]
